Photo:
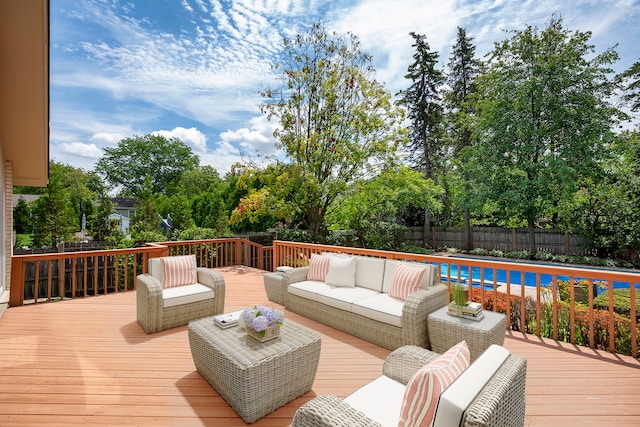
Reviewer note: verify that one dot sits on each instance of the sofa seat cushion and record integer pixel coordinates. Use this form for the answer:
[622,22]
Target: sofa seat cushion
[380,307]
[455,400]
[343,297]
[309,289]
[186,294]
[380,400]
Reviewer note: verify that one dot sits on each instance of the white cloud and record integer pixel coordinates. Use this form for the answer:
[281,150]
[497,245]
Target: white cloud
[192,137]
[86,151]
[104,138]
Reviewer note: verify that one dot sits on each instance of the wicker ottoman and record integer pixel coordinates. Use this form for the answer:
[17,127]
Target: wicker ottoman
[445,331]
[255,378]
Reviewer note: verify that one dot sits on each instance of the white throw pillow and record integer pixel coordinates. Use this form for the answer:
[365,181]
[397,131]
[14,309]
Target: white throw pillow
[342,271]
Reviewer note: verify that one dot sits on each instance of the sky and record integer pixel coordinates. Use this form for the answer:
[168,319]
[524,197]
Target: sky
[194,69]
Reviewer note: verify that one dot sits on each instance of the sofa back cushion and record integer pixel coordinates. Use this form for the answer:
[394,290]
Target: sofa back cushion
[177,271]
[318,267]
[406,280]
[429,278]
[370,272]
[423,389]
[342,271]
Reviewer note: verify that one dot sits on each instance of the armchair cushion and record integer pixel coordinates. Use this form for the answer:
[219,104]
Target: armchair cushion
[425,386]
[186,294]
[380,400]
[179,271]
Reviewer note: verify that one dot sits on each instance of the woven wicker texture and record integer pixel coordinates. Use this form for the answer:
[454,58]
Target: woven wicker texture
[255,378]
[153,316]
[501,403]
[445,331]
[414,318]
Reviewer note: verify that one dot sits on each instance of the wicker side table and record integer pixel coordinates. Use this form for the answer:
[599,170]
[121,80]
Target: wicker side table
[445,331]
[255,378]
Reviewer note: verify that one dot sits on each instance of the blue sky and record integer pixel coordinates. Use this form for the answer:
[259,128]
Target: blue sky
[193,69]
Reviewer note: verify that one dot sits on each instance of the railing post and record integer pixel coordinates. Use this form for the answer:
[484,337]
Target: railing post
[16,287]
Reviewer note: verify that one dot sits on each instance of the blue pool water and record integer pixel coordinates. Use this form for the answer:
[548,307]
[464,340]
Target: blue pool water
[516,277]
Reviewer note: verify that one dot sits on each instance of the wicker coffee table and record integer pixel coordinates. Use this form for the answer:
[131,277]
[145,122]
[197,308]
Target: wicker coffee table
[255,378]
[445,331]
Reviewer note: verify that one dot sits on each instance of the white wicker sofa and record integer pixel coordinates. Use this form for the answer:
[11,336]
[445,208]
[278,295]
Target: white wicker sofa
[175,292]
[358,298]
[489,392]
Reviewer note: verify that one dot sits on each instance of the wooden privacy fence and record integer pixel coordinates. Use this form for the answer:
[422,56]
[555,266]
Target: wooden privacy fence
[506,240]
[56,276]
[539,299]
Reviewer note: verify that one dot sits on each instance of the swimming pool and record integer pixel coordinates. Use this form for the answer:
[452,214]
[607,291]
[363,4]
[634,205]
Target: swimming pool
[516,276]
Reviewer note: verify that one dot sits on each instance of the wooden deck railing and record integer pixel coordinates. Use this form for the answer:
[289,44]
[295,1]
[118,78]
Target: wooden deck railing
[550,308]
[56,276]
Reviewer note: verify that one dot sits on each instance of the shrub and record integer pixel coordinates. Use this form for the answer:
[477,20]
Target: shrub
[478,251]
[621,302]
[518,255]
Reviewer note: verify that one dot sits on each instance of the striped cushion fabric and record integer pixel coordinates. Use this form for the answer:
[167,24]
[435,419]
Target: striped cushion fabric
[318,267]
[423,389]
[179,270]
[406,280]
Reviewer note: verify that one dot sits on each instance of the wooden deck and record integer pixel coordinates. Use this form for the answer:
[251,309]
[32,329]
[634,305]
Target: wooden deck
[87,362]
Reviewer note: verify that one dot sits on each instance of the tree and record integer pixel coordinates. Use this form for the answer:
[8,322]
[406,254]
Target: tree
[22,223]
[542,117]
[380,200]
[425,111]
[153,157]
[605,211]
[54,218]
[337,123]
[463,69]
[632,86]
[145,224]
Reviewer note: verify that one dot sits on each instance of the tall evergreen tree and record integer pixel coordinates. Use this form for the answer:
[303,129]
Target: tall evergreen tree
[463,68]
[632,86]
[425,111]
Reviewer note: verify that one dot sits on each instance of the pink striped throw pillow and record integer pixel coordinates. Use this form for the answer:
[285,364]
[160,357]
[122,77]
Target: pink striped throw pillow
[424,388]
[406,280]
[318,267]
[179,270]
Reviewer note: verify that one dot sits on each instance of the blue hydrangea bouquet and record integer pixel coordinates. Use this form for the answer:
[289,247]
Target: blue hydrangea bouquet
[262,322]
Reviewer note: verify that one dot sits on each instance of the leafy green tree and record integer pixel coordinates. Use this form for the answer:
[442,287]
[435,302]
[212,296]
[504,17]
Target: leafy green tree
[145,224]
[425,111]
[463,68]
[381,199]
[605,210]
[153,157]
[337,122]
[269,196]
[543,116]
[99,225]
[22,223]
[54,217]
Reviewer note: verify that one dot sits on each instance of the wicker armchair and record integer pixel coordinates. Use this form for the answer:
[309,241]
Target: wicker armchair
[500,402]
[158,308]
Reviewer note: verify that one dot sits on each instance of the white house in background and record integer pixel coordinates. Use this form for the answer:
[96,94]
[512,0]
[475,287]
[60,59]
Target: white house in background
[24,111]
[124,210]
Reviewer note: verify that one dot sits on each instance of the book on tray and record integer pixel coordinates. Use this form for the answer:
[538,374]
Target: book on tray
[227,320]
[472,310]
